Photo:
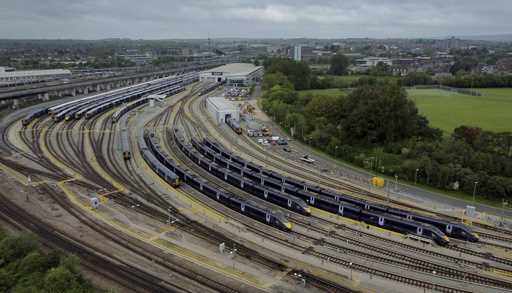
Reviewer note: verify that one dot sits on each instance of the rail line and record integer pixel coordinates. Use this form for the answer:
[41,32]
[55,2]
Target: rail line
[408,262]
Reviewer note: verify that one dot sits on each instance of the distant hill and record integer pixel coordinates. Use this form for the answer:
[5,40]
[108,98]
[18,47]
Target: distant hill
[495,38]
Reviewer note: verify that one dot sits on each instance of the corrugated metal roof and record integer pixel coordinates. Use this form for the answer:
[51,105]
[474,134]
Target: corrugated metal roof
[235,68]
[26,73]
[221,104]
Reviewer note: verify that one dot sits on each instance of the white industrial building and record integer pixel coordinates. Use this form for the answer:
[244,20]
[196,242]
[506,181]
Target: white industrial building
[297,53]
[13,77]
[365,63]
[220,109]
[234,74]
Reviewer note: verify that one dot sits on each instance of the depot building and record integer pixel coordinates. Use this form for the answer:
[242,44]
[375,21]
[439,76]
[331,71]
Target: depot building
[234,74]
[221,109]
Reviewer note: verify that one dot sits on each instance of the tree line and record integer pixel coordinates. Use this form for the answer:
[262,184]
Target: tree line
[302,78]
[377,127]
[26,268]
[459,80]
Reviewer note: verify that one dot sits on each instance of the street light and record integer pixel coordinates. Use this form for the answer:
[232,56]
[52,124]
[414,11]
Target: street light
[416,176]
[336,152]
[350,265]
[396,182]
[474,192]
[504,203]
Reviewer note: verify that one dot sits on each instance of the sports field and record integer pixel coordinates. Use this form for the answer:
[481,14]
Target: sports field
[447,110]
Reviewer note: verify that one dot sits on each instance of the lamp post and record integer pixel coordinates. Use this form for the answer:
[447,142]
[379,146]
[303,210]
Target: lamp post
[350,265]
[504,203]
[474,191]
[336,152]
[416,176]
[396,182]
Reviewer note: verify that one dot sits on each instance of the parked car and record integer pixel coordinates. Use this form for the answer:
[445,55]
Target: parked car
[287,150]
[282,141]
[307,159]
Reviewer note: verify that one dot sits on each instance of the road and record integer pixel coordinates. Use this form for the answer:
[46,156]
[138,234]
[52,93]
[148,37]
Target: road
[405,189]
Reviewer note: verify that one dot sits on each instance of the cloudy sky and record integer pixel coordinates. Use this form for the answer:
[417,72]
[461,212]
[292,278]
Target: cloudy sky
[155,19]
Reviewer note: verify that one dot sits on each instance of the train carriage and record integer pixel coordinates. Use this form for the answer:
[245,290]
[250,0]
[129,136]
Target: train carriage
[272,179]
[36,114]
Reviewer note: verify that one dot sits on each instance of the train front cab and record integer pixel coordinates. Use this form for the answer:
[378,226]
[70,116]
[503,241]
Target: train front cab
[462,232]
[279,221]
[127,155]
[174,181]
[454,230]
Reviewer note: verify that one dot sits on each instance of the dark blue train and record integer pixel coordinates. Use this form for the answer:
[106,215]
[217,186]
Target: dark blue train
[329,203]
[278,198]
[234,125]
[247,208]
[152,155]
[34,115]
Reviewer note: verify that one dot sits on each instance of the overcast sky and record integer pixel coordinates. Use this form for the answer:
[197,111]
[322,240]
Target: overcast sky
[157,19]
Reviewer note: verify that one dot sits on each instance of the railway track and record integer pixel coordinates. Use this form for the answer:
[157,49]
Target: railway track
[102,137]
[406,261]
[183,223]
[109,233]
[304,173]
[197,279]
[95,260]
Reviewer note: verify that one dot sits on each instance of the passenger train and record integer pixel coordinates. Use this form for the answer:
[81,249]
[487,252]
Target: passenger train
[276,197]
[330,204]
[247,208]
[233,124]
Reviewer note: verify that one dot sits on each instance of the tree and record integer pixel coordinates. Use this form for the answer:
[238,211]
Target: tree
[379,114]
[59,280]
[417,78]
[329,107]
[12,248]
[464,64]
[297,122]
[282,94]
[339,64]
[381,69]
[297,72]
[272,79]
[469,134]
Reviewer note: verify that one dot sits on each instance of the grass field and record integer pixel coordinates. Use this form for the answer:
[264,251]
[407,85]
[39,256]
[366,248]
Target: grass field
[322,93]
[448,110]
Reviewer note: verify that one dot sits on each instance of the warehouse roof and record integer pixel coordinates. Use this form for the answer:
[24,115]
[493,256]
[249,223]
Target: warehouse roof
[235,68]
[34,72]
[221,104]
